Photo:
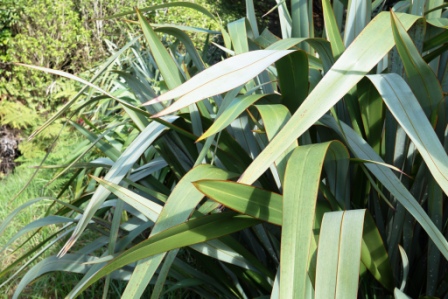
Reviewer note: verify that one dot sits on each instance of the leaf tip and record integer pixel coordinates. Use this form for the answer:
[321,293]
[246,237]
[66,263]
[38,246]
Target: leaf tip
[67,246]
[151,102]
[200,139]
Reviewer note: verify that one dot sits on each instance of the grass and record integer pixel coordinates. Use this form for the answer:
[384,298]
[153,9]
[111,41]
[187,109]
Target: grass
[10,199]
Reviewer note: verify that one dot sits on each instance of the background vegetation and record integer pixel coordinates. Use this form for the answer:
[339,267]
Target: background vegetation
[298,167]
[72,36]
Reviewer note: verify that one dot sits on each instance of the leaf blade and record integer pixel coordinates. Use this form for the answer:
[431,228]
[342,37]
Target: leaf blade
[219,78]
[362,55]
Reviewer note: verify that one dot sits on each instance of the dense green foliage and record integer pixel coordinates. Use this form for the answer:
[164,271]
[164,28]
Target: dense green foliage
[8,16]
[298,167]
[72,36]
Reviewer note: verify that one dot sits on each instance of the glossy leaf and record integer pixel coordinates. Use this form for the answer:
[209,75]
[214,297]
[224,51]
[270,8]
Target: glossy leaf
[404,106]
[219,78]
[390,181]
[421,77]
[332,30]
[230,113]
[293,78]
[301,185]
[182,201]
[338,254]
[362,55]
[192,232]
[255,202]
[167,67]
[274,117]
[148,208]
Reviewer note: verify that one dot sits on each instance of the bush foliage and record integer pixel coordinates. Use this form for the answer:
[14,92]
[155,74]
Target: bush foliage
[72,36]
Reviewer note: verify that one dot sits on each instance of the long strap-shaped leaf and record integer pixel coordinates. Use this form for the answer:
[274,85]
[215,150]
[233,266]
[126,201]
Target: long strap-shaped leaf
[115,175]
[301,185]
[274,118]
[249,200]
[37,224]
[98,74]
[322,47]
[268,206]
[332,30]
[151,210]
[362,55]
[293,79]
[191,232]
[338,255]
[9,219]
[164,61]
[420,76]
[302,23]
[389,180]
[179,206]
[224,76]
[105,147]
[404,106]
[230,113]
[358,15]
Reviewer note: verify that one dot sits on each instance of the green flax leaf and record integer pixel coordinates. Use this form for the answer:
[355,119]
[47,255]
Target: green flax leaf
[338,256]
[362,55]
[191,232]
[219,78]
[301,185]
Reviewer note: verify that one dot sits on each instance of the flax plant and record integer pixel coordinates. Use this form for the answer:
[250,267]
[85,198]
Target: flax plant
[297,167]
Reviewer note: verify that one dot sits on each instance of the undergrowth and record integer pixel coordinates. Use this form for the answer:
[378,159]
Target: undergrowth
[12,196]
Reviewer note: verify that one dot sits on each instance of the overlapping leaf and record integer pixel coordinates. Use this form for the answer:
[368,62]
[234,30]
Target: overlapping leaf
[219,78]
[362,55]
[339,254]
